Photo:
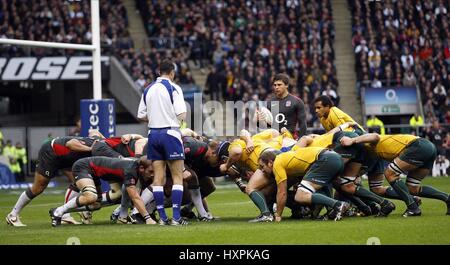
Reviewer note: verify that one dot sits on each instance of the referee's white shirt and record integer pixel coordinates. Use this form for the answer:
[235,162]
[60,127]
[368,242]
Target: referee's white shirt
[158,107]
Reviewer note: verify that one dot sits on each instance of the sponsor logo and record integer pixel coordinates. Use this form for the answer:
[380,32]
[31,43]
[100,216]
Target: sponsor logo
[48,68]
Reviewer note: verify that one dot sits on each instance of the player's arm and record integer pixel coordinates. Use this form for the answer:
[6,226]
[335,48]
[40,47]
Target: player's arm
[234,156]
[142,110]
[366,138]
[281,178]
[139,147]
[267,135]
[139,204]
[178,104]
[304,141]
[245,136]
[189,133]
[343,127]
[126,138]
[301,118]
[77,146]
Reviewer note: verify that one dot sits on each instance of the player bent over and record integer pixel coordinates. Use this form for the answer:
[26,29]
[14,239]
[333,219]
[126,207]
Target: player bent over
[89,171]
[58,154]
[409,155]
[318,166]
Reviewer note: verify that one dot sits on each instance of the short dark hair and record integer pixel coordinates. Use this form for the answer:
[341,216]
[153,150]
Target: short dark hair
[281,77]
[269,156]
[166,67]
[326,101]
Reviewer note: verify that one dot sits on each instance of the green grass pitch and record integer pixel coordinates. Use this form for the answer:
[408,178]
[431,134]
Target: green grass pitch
[235,209]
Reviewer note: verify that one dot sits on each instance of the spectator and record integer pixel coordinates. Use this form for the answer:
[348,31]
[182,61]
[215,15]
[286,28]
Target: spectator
[21,155]
[440,166]
[409,80]
[375,125]
[436,135]
[416,122]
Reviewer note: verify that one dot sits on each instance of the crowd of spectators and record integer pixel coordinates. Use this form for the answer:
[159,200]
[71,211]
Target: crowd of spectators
[62,21]
[247,42]
[405,43]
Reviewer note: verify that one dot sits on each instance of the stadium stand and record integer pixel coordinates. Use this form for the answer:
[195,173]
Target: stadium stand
[405,43]
[248,42]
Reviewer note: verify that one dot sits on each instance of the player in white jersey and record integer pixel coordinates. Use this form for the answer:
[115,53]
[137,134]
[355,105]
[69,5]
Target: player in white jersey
[162,106]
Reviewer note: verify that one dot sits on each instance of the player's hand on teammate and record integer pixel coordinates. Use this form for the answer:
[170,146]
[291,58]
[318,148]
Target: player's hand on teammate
[346,141]
[125,138]
[250,147]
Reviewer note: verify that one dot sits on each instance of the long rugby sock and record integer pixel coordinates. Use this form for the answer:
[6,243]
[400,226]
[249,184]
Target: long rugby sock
[197,200]
[258,199]
[23,200]
[70,194]
[402,190]
[391,194]
[125,203]
[158,192]
[430,192]
[317,198]
[147,197]
[363,193]
[72,204]
[177,197]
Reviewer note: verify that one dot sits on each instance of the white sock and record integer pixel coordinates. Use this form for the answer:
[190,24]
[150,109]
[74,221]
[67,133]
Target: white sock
[70,194]
[147,198]
[72,204]
[20,204]
[197,200]
[125,203]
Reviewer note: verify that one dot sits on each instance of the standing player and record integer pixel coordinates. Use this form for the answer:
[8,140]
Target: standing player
[331,116]
[57,154]
[162,106]
[291,109]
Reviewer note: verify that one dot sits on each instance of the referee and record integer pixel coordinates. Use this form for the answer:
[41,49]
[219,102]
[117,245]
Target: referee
[162,106]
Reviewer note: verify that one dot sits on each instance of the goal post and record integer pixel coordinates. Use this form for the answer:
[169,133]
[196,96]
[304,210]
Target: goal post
[87,123]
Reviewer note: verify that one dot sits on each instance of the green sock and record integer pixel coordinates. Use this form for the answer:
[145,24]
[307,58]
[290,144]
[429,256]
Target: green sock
[391,194]
[258,199]
[430,192]
[363,193]
[318,198]
[402,190]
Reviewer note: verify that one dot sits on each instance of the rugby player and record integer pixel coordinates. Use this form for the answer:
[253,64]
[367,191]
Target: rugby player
[90,170]
[318,167]
[57,154]
[409,155]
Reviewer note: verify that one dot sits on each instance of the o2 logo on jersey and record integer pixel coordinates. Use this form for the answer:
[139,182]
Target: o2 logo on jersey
[280,118]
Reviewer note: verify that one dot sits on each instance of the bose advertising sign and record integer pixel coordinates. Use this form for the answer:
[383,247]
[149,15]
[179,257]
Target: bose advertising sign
[390,100]
[50,68]
[98,114]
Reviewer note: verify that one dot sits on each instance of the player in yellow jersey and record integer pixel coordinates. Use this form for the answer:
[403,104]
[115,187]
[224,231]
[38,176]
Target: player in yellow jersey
[409,155]
[315,167]
[352,159]
[245,153]
[331,116]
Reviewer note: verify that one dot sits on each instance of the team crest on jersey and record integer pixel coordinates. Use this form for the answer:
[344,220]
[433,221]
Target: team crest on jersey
[187,150]
[288,103]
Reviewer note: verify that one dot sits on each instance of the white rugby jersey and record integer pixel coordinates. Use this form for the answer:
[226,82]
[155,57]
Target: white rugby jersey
[161,102]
